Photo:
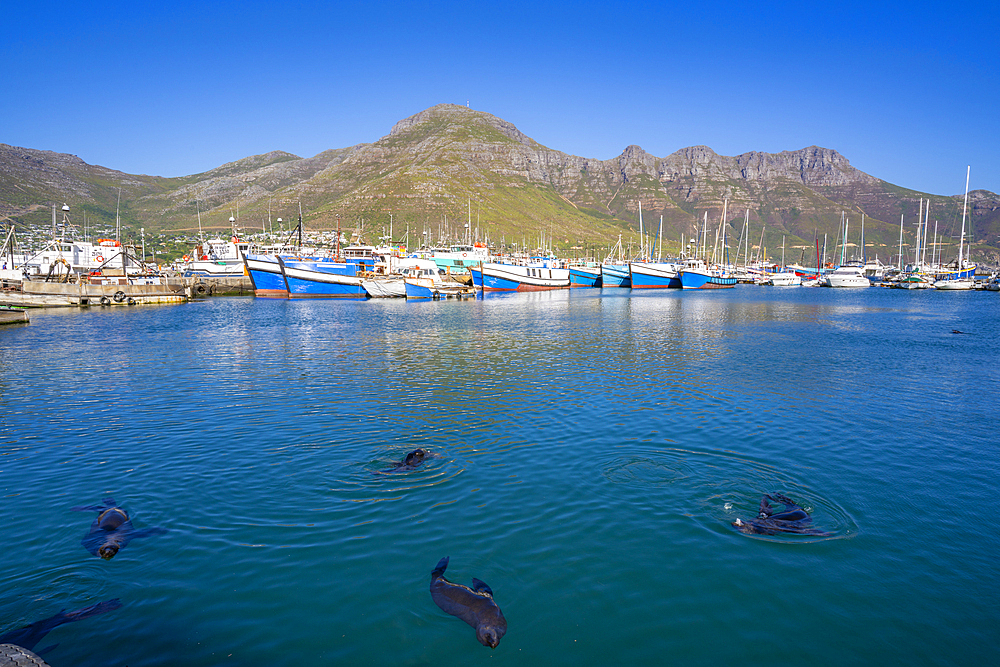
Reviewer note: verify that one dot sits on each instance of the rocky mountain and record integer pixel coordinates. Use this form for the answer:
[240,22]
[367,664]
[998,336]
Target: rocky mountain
[439,167]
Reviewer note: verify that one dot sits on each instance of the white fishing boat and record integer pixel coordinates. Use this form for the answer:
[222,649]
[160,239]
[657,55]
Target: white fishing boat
[539,275]
[392,285]
[425,280]
[217,258]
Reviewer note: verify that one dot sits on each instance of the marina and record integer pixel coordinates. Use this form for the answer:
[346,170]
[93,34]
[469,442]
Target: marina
[593,448]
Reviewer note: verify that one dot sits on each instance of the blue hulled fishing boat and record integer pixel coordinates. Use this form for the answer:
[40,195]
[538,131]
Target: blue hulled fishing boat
[537,276]
[322,279]
[654,274]
[266,276]
[587,274]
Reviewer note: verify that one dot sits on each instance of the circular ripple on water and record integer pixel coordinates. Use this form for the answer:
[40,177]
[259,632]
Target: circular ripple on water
[647,471]
[382,478]
[714,488]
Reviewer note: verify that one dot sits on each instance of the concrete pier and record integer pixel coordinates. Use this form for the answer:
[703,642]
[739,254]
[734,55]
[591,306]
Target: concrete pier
[11,316]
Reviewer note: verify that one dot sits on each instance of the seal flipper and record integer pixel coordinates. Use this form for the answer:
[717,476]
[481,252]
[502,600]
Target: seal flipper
[29,636]
[441,567]
[765,508]
[481,587]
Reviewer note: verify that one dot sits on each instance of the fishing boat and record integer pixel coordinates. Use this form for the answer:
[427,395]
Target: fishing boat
[384,287]
[266,276]
[695,274]
[536,276]
[615,275]
[459,258]
[424,280]
[614,268]
[364,256]
[644,275]
[585,274]
[217,257]
[321,279]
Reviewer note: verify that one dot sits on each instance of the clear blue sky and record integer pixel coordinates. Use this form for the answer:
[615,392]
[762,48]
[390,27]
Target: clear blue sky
[909,93]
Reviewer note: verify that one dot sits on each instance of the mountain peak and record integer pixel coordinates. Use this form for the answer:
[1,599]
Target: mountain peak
[443,118]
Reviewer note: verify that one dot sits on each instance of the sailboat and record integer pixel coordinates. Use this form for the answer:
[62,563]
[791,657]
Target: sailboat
[849,273]
[964,276]
[785,278]
[695,272]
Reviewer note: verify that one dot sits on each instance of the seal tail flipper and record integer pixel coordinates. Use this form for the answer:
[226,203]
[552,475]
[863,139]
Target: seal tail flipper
[765,508]
[29,636]
[481,587]
[784,500]
[93,610]
[47,649]
[441,567]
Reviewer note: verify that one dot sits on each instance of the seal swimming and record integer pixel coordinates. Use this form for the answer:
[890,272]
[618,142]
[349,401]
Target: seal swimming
[411,461]
[792,519]
[473,605]
[111,530]
[29,636]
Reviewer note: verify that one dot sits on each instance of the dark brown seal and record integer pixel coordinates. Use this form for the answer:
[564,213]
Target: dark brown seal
[473,605]
[410,462]
[29,636]
[793,519]
[111,530]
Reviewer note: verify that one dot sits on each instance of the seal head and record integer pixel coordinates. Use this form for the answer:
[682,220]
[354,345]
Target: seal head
[112,530]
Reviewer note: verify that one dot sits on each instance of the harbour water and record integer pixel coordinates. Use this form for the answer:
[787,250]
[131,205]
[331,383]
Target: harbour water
[593,449]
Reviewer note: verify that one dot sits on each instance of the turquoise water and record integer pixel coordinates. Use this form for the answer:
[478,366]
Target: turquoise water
[593,448]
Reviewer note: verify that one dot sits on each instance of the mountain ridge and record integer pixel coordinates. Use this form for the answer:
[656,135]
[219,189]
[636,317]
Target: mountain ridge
[439,167]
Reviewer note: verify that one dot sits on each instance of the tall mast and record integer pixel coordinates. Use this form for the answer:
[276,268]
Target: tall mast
[198,207]
[927,213]
[961,238]
[704,237]
[900,241]
[863,238]
[659,241]
[642,239]
[843,248]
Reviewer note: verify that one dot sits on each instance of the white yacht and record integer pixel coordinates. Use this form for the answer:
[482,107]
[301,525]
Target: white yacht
[848,275]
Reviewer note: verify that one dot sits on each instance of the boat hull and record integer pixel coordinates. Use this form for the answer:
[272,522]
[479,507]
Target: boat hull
[266,277]
[322,279]
[653,275]
[384,288]
[585,276]
[957,284]
[699,280]
[515,278]
[615,275]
